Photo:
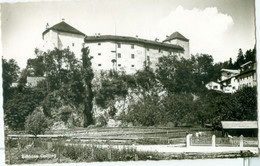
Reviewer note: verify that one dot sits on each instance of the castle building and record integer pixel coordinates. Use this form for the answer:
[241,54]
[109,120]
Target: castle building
[62,36]
[110,52]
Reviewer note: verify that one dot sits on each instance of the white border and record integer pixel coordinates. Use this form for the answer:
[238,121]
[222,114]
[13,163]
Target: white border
[200,162]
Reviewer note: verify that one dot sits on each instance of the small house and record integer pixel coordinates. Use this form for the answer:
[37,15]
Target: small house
[237,128]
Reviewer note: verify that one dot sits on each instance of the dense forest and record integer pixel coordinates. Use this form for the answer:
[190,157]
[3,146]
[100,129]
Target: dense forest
[173,94]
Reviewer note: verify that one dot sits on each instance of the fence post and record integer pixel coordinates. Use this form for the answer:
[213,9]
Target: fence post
[136,157]
[58,150]
[241,141]
[188,137]
[9,150]
[92,153]
[213,141]
[109,155]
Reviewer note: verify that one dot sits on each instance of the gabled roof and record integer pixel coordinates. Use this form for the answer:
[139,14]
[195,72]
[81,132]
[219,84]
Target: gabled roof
[239,124]
[247,63]
[132,40]
[176,35]
[231,71]
[63,27]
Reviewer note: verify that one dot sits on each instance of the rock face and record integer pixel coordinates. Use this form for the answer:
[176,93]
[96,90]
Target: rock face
[60,125]
[120,104]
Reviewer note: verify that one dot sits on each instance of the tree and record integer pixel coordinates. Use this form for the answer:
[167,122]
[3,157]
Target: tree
[250,55]
[23,103]
[240,59]
[239,106]
[203,71]
[10,75]
[176,75]
[36,123]
[36,66]
[87,77]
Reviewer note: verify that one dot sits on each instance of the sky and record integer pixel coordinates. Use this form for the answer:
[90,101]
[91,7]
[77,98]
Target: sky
[215,27]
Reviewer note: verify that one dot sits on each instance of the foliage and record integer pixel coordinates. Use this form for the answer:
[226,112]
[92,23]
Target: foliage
[154,110]
[63,113]
[36,123]
[17,108]
[147,111]
[10,75]
[96,153]
[101,121]
[216,107]
[112,84]
[36,66]
[87,77]
[185,75]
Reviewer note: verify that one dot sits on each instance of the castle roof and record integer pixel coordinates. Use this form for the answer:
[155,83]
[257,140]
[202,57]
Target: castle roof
[176,35]
[63,27]
[132,40]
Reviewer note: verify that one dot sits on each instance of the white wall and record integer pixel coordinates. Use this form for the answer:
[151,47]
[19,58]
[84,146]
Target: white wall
[247,80]
[63,40]
[184,44]
[108,51]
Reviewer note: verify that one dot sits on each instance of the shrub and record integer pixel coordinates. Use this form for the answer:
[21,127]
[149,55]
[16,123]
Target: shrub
[101,121]
[36,123]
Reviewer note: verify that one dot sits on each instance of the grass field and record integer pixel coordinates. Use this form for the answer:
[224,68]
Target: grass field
[101,144]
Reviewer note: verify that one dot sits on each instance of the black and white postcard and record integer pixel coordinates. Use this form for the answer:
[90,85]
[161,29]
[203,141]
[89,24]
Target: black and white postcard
[129,80]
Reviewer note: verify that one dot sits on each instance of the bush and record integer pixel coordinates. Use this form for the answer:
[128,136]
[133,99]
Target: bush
[36,123]
[101,121]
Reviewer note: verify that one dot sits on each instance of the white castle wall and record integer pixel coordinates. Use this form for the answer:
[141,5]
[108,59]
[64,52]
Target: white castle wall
[63,40]
[184,44]
[104,52]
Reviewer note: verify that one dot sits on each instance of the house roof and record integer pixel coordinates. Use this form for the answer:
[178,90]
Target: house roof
[132,40]
[239,124]
[176,35]
[247,63]
[33,81]
[213,82]
[245,72]
[231,71]
[63,27]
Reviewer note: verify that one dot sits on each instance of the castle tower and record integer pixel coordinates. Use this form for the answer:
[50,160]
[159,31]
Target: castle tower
[179,39]
[62,36]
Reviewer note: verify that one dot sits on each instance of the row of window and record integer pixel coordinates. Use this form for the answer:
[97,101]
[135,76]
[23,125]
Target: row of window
[132,56]
[119,45]
[118,65]
[133,46]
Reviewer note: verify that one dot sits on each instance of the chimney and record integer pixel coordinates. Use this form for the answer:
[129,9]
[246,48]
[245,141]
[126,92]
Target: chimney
[47,25]
[63,19]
